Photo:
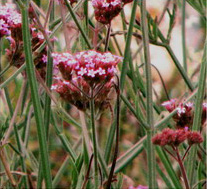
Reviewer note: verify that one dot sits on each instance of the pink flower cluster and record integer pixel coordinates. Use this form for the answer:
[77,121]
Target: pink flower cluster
[93,66]
[16,56]
[10,25]
[185,112]
[176,137]
[82,72]
[9,19]
[106,10]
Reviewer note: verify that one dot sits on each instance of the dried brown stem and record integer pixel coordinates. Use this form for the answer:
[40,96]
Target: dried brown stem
[6,167]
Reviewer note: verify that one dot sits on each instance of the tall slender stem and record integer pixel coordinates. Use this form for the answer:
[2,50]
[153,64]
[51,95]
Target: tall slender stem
[127,47]
[117,139]
[108,37]
[150,131]
[184,36]
[35,97]
[182,169]
[92,109]
[197,116]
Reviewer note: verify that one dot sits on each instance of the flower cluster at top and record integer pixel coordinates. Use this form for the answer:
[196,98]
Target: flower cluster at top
[11,27]
[185,112]
[9,19]
[106,10]
[176,137]
[83,72]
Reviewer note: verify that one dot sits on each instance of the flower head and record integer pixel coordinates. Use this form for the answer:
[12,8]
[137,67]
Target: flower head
[184,115]
[95,66]
[82,72]
[10,20]
[169,105]
[106,10]
[66,63]
[170,137]
[194,137]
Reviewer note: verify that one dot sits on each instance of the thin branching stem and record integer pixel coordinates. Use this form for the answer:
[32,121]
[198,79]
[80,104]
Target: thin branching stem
[108,37]
[35,97]
[95,152]
[182,168]
[109,182]
[150,132]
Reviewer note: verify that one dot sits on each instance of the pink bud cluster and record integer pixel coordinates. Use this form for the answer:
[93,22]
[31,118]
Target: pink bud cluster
[184,116]
[10,25]
[106,10]
[185,112]
[176,137]
[16,56]
[82,72]
[9,19]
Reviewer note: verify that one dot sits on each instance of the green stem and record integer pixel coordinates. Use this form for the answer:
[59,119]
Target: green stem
[197,116]
[109,182]
[149,109]
[49,74]
[94,140]
[127,47]
[180,68]
[184,36]
[78,24]
[108,37]
[35,98]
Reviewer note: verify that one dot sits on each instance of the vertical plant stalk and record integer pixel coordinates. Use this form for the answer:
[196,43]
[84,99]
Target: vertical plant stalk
[197,117]
[95,152]
[85,132]
[108,37]
[49,74]
[184,37]
[50,12]
[88,173]
[108,186]
[182,168]
[127,47]
[149,109]
[35,97]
